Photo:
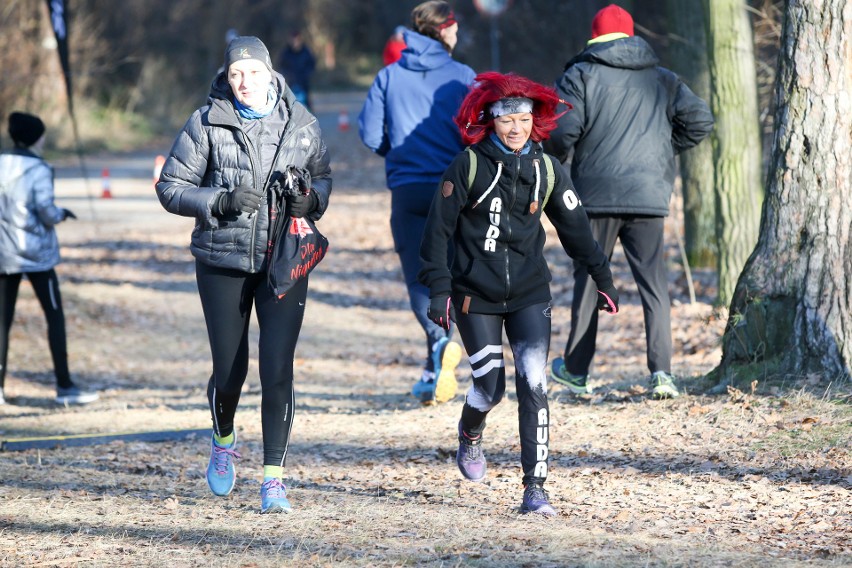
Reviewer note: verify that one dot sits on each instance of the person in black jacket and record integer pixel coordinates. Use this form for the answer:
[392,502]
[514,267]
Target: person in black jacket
[297,63]
[226,169]
[630,118]
[489,205]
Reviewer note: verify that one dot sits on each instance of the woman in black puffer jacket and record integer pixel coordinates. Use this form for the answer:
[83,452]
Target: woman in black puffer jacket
[226,169]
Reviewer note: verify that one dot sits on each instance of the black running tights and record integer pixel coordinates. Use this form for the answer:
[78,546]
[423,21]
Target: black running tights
[226,298]
[528,332]
[46,288]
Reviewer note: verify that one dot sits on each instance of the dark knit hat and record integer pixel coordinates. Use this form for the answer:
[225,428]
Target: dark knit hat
[247,47]
[610,20]
[25,129]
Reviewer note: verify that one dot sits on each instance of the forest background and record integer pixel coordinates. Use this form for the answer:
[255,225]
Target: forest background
[138,71]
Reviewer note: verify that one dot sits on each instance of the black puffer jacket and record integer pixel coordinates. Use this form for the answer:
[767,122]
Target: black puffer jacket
[630,118]
[213,153]
[498,264]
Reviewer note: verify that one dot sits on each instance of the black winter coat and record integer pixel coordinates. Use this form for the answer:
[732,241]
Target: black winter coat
[498,263]
[213,153]
[630,118]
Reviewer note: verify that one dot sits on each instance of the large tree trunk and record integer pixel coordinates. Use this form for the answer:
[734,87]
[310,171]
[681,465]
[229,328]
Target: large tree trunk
[792,309]
[688,54]
[736,138]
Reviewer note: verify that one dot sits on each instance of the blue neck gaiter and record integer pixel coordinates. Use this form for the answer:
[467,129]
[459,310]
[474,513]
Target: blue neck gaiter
[506,149]
[249,113]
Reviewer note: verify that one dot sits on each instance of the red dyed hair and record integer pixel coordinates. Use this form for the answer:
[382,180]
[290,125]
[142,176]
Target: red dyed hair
[474,121]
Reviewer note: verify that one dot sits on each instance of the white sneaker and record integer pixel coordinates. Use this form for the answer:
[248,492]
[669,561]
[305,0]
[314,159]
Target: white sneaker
[73,395]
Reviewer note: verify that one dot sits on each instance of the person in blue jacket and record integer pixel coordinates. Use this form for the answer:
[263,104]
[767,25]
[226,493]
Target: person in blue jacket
[408,119]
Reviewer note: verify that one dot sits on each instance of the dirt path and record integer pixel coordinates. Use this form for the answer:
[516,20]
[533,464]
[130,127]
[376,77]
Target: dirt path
[735,480]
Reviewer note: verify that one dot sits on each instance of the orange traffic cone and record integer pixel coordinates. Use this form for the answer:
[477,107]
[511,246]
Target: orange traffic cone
[343,121]
[158,167]
[106,194]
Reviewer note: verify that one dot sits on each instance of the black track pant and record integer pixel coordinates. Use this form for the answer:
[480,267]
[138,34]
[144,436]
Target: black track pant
[409,210]
[46,288]
[226,298]
[528,332]
[642,241]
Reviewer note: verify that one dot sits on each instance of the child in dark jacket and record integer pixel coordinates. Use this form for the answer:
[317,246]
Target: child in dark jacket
[489,204]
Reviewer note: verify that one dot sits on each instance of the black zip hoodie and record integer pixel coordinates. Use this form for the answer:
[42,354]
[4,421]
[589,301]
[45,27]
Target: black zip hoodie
[497,235]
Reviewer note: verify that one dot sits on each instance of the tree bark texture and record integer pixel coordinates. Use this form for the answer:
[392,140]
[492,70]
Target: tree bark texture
[736,138]
[688,54]
[793,301]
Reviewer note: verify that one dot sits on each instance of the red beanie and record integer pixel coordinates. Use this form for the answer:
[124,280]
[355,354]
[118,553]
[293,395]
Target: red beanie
[610,20]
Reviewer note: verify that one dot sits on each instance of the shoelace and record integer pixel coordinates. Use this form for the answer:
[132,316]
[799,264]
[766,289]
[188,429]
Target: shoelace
[275,489]
[222,458]
[473,448]
[535,495]
[660,380]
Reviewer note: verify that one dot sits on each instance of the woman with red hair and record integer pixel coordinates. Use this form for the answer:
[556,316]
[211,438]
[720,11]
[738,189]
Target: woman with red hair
[489,204]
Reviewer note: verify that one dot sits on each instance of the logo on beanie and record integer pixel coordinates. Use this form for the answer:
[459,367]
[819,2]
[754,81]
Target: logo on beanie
[244,53]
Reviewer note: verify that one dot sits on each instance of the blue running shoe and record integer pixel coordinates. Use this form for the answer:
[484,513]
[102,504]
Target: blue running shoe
[469,457]
[221,473]
[535,501]
[273,496]
[446,356]
[424,389]
[574,383]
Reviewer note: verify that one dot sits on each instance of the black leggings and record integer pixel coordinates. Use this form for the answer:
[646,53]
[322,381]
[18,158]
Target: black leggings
[528,332]
[46,288]
[226,298]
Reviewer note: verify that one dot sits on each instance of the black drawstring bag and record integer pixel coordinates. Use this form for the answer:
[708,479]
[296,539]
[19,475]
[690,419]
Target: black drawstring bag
[297,245]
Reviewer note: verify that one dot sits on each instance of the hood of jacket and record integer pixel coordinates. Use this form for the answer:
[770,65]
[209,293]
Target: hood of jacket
[423,53]
[625,53]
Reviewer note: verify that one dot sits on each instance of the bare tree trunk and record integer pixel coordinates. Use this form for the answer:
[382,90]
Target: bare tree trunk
[736,139]
[688,53]
[792,308]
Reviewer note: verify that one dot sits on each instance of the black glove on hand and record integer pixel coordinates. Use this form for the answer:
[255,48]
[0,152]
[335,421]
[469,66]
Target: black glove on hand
[68,214]
[301,205]
[441,311]
[298,180]
[608,299]
[240,199]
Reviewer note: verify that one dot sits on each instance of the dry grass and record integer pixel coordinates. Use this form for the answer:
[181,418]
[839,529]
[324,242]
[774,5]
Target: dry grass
[742,479]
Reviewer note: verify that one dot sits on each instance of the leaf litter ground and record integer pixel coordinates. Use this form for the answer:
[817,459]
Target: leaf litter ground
[739,479]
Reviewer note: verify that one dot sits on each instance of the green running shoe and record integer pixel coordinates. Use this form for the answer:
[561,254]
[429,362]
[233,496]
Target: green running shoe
[662,385]
[574,383]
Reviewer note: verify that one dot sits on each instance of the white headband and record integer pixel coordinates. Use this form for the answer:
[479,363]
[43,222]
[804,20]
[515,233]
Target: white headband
[513,105]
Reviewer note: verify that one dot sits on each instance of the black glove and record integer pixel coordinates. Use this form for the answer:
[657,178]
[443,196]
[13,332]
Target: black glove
[608,299]
[68,214]
[297,180]
[441,310]
[240,199]
[300,205]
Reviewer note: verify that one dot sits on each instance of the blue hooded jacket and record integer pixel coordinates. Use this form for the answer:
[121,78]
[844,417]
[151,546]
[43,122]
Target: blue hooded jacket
[408,114]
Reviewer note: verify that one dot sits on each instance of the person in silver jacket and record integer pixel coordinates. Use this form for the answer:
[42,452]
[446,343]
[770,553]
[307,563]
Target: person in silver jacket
[29,247]
[225,169]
